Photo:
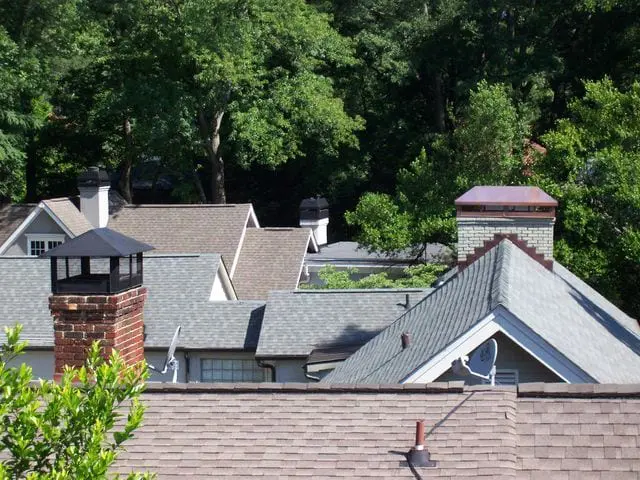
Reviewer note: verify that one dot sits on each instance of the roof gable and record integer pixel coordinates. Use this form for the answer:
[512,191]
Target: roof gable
[186,228]
[546,303]
[270,259]
[11,216]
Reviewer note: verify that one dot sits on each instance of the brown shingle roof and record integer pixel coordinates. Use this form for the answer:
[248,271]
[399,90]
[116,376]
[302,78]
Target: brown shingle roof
[363,431]
[68,213]
[185,228]
[11,216]
[270,259]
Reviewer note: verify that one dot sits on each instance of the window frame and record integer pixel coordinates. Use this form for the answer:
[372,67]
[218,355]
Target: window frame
[43,237]
[213,358]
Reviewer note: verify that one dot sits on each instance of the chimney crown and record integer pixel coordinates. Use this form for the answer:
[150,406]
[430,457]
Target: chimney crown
[487,214]
[93,177]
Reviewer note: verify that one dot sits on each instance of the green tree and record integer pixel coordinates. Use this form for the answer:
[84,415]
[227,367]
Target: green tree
[416,276]
[486,147]
[66,430]
[592,168]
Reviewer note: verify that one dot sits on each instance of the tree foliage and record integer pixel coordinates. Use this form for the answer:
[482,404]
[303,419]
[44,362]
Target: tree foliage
[593,169]
[416,276]
[67,430]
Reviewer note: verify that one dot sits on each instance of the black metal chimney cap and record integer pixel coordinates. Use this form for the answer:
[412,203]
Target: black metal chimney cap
[93,177]
[99,242]
[314,203]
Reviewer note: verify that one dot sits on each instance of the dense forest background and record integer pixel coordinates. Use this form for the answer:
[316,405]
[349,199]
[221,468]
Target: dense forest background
[389,108]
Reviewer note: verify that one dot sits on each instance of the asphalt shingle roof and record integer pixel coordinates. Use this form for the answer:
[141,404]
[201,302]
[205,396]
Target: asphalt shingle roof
[270,259]
[296,322]
[11,216]
[185,228]
[298,430]
[568,317]
[179,290]
[68,213]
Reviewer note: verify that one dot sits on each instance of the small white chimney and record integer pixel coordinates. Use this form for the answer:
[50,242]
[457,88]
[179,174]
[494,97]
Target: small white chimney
[314,214]
[94,196]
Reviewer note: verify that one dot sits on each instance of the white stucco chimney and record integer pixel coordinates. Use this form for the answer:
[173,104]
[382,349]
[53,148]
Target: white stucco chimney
[314,214]
[486,215]
[94,196]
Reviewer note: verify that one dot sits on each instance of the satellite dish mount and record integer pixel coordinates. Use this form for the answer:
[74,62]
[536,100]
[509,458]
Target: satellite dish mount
[481,364]
[171,362]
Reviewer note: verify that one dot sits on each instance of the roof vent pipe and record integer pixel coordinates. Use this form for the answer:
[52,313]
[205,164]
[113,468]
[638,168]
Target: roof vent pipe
[418,456]
[406,340]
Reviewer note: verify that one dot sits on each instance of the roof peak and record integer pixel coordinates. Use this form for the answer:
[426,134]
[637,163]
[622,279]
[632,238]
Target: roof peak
[186,205]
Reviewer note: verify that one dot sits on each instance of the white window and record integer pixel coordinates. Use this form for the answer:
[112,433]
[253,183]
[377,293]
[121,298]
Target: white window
[38,243]
[230,370]
[506,377]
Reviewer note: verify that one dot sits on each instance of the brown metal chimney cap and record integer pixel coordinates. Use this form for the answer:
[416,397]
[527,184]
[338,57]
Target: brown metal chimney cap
[511,196]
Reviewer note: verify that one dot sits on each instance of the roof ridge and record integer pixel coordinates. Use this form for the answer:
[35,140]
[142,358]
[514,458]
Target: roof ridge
[500,280]
[185,205]
[356,290]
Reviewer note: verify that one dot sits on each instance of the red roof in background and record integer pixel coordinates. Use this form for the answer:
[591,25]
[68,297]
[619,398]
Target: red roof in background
[518,196]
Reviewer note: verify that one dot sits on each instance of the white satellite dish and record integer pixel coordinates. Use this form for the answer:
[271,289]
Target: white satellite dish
[481,364]
[170,362]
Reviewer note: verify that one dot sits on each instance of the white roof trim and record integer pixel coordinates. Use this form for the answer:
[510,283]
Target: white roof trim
[251,218]
[57,220]
[464,344]
[21,228]
[539,348]
[500,320]
[226,281]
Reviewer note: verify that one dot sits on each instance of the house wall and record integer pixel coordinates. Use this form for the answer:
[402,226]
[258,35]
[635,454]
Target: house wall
[511,357]
[218,292]
[41,361]
[289,370]
[537,232]
[43,223]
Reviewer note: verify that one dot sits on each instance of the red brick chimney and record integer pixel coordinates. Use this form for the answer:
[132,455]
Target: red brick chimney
[114,320]
[97,295]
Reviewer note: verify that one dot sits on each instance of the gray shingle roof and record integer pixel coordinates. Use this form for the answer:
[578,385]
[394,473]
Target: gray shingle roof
[569,317]
[185,228]
[298,430]
[11,216]
[297,322]
[270,259]
[68,213]
[179,289]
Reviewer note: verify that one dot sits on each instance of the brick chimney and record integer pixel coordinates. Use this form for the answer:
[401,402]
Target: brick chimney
[114,320]
[486,215]
[97,295]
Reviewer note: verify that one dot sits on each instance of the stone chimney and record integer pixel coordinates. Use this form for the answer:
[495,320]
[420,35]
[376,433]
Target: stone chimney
[94,196]
[314,214]
[487,215]
[97,295]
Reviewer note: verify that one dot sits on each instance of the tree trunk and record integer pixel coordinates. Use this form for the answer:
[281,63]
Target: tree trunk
[210,133]
[127,162]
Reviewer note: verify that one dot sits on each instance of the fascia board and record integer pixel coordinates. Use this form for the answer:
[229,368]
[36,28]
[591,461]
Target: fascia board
[539,348]
[21,228]
[441,362]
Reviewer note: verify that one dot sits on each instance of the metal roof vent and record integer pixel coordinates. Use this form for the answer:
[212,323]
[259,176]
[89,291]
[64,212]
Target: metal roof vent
[405,338]
[418,456]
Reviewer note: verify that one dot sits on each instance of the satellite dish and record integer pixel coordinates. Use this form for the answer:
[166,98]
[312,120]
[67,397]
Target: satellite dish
[170,362]
[481,364]
[483,358]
